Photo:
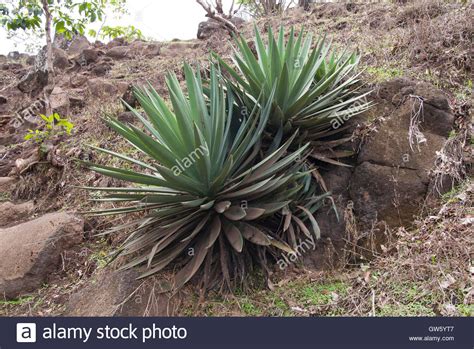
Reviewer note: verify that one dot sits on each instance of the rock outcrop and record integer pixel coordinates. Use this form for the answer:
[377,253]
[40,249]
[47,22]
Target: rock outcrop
[59,101]
[102,87]
[77,45]
[31,251]
[135,49]
[390,177]
[34,81]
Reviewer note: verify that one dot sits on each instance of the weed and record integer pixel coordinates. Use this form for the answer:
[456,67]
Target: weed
[54,124]
[465,309]
[19,301]
[100,258]
[380,74]
[450,196]
[249,308]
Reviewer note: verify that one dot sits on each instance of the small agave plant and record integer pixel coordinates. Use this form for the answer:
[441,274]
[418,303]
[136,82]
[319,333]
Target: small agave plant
[214,200]
[316,89]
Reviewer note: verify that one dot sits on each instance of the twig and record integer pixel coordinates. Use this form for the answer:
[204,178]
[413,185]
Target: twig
[373,302]
[217,16]
[118,306]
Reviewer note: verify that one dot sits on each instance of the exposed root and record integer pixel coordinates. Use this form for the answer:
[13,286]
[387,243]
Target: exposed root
[352,234]
[415,136]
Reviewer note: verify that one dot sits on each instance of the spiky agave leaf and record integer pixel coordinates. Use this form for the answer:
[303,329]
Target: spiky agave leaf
[207,189]
[316,89]
[296,221]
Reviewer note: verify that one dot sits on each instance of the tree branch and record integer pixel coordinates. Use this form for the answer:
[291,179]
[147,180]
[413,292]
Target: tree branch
[219,8]
[210,13]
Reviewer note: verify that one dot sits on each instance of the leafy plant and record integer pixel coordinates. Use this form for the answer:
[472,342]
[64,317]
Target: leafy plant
[214,197]
[54,124]
[129,32]
[28,18]
[316,89]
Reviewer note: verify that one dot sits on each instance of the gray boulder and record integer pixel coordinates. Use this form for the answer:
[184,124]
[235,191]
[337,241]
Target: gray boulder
[207,28]
[392,177]
[14,55]
[77,45]
[59,101]
[31,251]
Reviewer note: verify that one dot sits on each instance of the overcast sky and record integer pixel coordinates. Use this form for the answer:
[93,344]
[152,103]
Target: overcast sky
[162,20]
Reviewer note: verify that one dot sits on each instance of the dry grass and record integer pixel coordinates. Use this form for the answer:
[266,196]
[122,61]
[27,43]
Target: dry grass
[433,260]
[454,161]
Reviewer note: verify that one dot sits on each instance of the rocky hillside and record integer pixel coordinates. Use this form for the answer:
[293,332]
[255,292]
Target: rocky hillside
[402,244]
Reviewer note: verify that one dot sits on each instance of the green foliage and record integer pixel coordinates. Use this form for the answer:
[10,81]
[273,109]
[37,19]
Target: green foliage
[29,14]
[66,23]
[384,73]
[249,308]
[19,301]
[26,16]
[69,17]
[315,88]
[321,294]
[451,196]
[129,32]
[410,301]
[305,296]
[53,124]
[465,309]
[99,258]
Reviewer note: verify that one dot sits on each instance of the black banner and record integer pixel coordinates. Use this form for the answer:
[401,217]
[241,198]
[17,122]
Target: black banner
[230,333]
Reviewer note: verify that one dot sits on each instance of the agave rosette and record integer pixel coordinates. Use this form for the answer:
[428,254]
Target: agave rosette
[316,88]
[207,189]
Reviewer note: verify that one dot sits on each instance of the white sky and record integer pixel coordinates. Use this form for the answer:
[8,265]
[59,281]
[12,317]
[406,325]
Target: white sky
[162,20]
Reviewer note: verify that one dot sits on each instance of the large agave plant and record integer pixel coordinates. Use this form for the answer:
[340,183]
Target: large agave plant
[209,191]
[316,88]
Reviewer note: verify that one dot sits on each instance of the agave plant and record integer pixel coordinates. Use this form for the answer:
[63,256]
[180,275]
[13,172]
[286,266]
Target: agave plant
[208,189]
[316,88]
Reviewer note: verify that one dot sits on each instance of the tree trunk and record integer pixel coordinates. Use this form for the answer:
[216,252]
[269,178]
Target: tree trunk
[49,53]
[49,45]
[304,4]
